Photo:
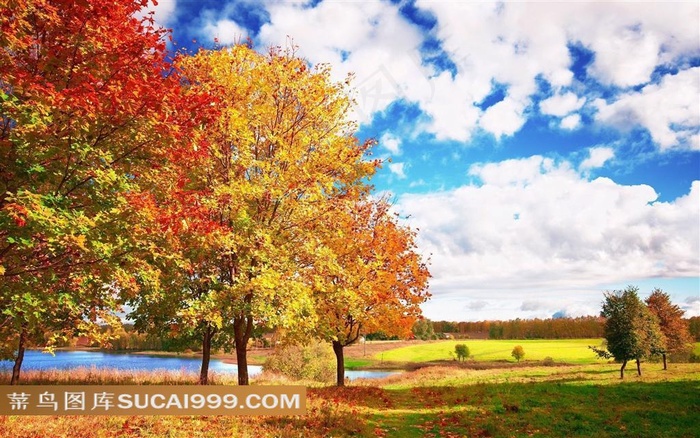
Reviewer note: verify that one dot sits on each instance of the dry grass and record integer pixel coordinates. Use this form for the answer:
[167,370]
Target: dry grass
[102,376]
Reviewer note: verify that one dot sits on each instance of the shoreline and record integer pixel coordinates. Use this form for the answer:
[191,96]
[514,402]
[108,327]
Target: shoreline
[373,365]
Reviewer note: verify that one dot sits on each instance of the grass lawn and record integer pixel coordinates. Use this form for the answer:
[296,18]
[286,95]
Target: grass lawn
[573,351]
[579,400]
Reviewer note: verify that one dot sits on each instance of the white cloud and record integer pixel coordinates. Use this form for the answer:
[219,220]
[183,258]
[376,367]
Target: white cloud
[398,169]
[504,118]
[370,39]
[391,143]
[597,158]
[226,32]
[530,229]
[692,306]
[510,44]
[571,122]
[669,110]
[562,104]
[164,11]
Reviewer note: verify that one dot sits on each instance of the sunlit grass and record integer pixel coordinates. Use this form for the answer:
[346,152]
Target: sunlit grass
[560,350]
[576,400]
[351,363]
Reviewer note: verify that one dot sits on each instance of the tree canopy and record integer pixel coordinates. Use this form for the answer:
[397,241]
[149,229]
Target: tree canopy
[631,330]
[212,193]
[673,327]
[83,96]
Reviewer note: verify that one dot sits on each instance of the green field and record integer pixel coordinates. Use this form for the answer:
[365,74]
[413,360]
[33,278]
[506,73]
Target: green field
[561,350]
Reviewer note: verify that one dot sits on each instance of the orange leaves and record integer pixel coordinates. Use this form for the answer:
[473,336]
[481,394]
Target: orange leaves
[17,213]
[378,280]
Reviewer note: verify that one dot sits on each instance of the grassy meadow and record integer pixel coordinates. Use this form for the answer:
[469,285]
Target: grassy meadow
[573,351]
[443,400]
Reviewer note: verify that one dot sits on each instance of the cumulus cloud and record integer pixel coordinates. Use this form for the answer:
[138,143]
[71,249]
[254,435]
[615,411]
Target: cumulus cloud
[224,31]
[476,305]
[511,44]
[597,157]
[370,39]
[532,305]
[691,306]
[560,238]
[391,143]
[562,104]
[571,122]
[164,12]
[398,169]
[504,118]
[669,110]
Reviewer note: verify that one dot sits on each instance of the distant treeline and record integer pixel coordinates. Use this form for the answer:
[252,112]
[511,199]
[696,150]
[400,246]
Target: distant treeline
[694,326]
[551,328]
[127,338]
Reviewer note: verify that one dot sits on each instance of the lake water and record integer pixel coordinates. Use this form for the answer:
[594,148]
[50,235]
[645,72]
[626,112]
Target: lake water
[66,360]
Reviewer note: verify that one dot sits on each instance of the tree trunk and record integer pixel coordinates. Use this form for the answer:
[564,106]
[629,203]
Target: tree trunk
[206,355]
[622,369]
[20,356]
[339,363]
[664,356]
[639,368]
[242,329]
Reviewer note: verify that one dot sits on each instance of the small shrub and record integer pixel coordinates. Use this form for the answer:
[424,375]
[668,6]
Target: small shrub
[694,358]
[518,352]
[462,351]
[548,361]
[313,361]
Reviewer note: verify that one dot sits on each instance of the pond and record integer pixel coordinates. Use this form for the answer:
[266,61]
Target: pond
[66,360]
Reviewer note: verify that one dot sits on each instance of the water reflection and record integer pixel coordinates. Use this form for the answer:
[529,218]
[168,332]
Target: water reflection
[66,360]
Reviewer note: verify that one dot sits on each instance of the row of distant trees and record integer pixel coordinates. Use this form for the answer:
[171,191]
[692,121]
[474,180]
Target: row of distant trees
[553,328]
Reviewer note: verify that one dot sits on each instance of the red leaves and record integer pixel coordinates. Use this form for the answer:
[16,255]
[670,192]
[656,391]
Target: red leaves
[18,213]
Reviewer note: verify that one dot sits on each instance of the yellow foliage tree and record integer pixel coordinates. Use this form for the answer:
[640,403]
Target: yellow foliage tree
[238,202]
[367,276]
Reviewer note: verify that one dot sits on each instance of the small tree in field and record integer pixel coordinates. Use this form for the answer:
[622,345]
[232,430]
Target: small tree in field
[518,352]
[462,351]
[423,329]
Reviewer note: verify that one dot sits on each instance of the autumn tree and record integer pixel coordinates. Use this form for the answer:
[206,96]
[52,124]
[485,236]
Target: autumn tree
[82,92]
[423,329]
[673,327]
[366,275]
[694,327]
[239,200]
[518,352]
[631,330]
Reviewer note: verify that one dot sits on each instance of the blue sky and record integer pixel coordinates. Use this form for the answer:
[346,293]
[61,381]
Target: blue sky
[546,151]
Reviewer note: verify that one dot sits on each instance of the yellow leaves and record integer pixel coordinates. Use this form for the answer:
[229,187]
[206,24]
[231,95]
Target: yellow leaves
[77,241]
